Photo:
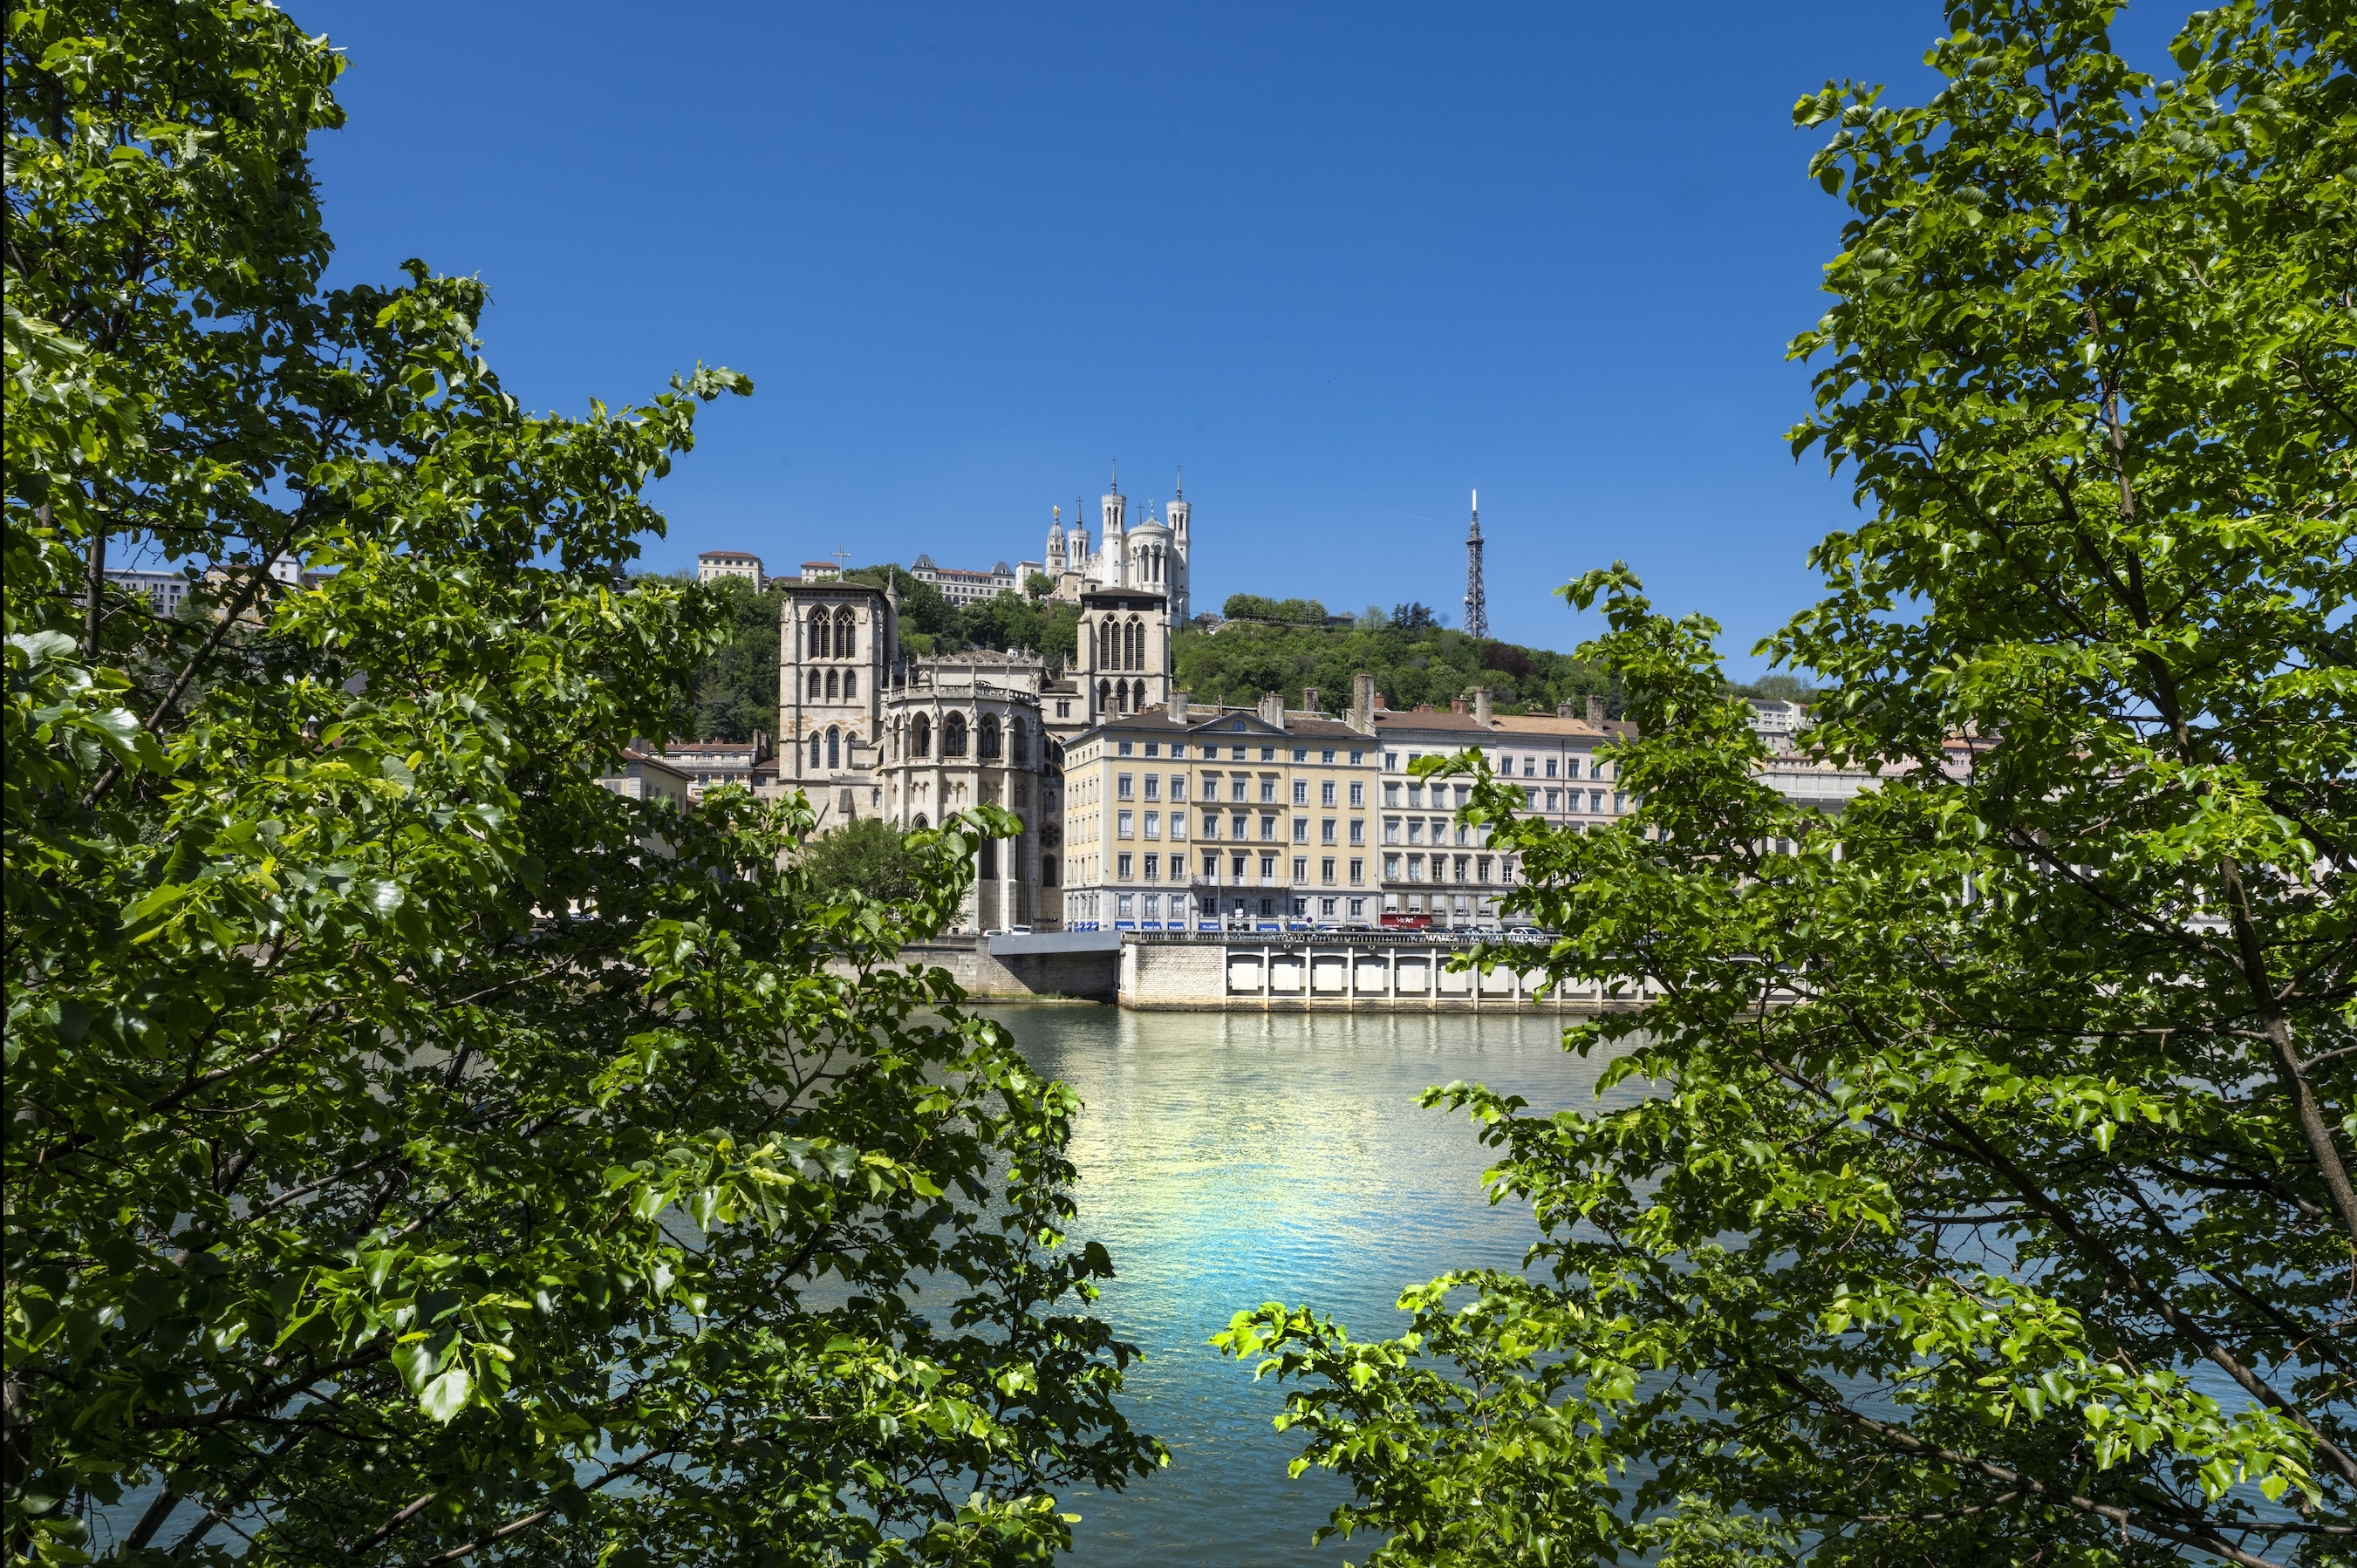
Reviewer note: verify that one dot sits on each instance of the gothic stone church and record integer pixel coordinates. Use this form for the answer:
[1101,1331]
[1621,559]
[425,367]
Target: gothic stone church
[864,729]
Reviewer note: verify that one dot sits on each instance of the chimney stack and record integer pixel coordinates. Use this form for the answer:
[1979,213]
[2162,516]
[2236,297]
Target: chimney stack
[1481,705]
[1362,703]
[1596,711]
[1272,708]
[1567,709]
[1310,699]
[1456,704]
[1178,707]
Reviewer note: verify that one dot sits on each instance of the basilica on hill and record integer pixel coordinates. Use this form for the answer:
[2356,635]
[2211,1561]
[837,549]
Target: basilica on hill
[866,728]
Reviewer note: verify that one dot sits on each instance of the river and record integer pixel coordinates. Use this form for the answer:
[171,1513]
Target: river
[1229,1159]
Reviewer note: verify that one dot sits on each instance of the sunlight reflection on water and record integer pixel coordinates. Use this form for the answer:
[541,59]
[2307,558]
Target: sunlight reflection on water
[1229,1159]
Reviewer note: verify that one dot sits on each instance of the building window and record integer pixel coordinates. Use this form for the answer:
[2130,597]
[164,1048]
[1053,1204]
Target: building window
[1326,793]
[1358,829]
[1300,753]
[987,738]
[1416,868]
[1210,866]
[1153,868]
[1301,830]
[1178,787]
[1125,785]
[1236,788]
[1123,865]
[954,735]
[1177,824]
[1391,762]
[1237,829]
[1063,707]
[1125,906]
[1121,749]
[818,751]
[1047,870]
[1550,773]
[921,736]
[1301,791]
[821,645]
[1619,802]
[1506,766]
[1359,794]
[814,685]
[834,748]
[1154,785]
[1326,874]
[1460,868]
[1326,831]
[1357,879]
[1414,831]
[1267,869]
[1390,830]
[1550,795]
[1391,869]
[1391,795]
[1300,868]
[1122,822]
[1268,830]
[1210,824]
[1154,824]
[989,859]
[1481,868]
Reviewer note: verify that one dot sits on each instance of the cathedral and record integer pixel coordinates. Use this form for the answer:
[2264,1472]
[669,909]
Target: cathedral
[1151,556]
[866,728]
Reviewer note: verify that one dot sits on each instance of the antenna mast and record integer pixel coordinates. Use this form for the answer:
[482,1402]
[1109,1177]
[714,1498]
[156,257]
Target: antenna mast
[1477,607]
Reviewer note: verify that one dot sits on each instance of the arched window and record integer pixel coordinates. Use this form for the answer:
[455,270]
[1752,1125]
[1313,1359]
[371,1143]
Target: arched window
[846,638]
[1136,637]
[920,742]
[818,756]
[851,682]
[1105,646]
[1047,870]
[1137,696]
[830,682]
[1104,696]
[989,859]
[819,642]
[986,742]
[1016,752]
[921,821]
[954,735]
[834,748]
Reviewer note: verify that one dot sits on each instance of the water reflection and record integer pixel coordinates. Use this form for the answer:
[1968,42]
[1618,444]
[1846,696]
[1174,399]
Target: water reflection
[1228,1159]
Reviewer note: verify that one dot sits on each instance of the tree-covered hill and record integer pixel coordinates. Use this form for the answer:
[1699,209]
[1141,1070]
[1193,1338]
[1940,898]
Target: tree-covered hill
[1410,662]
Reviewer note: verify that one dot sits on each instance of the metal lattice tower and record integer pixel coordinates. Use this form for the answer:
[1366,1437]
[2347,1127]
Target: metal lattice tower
[1477,607]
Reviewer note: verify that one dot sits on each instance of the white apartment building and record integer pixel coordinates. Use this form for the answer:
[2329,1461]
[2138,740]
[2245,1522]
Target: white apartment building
[713,564]
[962,587]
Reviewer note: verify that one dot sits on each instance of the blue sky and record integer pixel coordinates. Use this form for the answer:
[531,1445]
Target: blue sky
[1342,264]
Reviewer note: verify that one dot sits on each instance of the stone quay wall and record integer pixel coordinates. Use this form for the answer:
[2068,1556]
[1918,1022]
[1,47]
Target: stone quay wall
[1339,971]
[1239,971]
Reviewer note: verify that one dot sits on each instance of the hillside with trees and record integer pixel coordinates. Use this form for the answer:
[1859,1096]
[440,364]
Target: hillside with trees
[1290,645]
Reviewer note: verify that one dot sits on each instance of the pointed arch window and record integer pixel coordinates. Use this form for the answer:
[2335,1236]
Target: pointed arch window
[954,735]
[814,685]
[847,635]
[818,752]
[821,644]
[1016,751]
[987,738]
[1105,646]
[1137,696]
[921,821]
[1104,696]
[834,748]
[920,742]
[850,683]
[830,682]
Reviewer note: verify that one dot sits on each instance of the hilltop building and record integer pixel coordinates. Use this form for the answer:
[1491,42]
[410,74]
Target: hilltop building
[1151,556]
[712,565]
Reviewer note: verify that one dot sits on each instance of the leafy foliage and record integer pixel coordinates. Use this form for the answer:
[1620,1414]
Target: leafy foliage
[1241,660]
[1992,1204]
[871,857]
[1253,607]
[405,1161]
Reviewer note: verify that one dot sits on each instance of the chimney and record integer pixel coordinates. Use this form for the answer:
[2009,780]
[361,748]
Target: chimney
[1272,708]
[1457,704]
[1380,702]
[1310,699]
[1178,707]
[1481,705]
[1567,709]
[1362,703]
[1596,711]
